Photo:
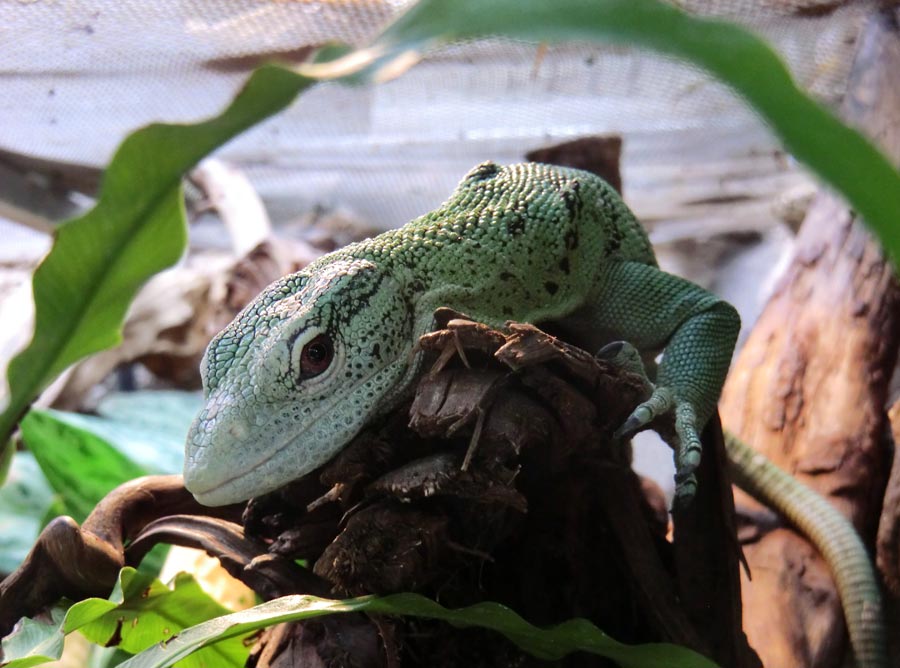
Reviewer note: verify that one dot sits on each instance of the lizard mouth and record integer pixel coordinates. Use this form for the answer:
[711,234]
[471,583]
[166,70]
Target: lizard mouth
[221,492]
[228,489]
[225,492]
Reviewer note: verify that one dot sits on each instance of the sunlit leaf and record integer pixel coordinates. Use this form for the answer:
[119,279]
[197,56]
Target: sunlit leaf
[143,611]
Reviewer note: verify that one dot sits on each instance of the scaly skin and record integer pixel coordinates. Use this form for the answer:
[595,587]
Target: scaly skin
[528,242]
[319,353]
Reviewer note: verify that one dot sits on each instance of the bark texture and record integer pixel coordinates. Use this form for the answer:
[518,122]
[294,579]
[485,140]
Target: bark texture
[809,388]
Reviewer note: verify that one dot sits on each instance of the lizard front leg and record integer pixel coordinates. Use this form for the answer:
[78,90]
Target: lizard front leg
[697,331]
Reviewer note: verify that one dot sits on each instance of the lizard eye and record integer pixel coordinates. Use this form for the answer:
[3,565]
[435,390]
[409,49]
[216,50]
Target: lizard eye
[316,356]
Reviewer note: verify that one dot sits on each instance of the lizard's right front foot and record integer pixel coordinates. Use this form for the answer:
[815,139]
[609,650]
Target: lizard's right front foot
[662,401]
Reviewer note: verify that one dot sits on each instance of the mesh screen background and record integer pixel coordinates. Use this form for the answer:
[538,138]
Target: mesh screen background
[78,76]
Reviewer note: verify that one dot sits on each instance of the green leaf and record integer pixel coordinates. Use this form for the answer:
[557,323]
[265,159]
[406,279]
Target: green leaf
[838,154]
[551,644]
[149,427]
[24,502]
[35,642]
[83,287]
[81,467]
[143,611]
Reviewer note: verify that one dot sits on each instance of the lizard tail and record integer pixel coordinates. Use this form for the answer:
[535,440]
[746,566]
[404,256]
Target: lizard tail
[833,536]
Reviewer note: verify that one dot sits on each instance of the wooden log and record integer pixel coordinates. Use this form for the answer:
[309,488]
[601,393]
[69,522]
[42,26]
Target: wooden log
[809,388]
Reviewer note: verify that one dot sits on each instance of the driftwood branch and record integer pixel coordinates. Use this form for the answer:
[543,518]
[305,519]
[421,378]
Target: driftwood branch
[809,388]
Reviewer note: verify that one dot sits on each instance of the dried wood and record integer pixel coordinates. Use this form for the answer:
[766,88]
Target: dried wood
[809,387]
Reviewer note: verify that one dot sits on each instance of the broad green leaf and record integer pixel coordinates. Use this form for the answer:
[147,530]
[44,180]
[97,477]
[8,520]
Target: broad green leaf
[838,154]
[24,502]
[551,644]
[142,611]
[80,466]
[149,427]
[35,642]
[83,287]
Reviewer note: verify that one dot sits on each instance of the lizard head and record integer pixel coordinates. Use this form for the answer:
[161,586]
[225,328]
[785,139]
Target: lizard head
[294,377]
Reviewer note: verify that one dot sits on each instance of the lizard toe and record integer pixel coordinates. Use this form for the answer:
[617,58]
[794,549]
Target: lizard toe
[660,402]
[685,487]
[687,451]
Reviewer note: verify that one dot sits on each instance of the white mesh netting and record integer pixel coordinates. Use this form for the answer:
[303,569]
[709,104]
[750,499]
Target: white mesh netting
[79,75]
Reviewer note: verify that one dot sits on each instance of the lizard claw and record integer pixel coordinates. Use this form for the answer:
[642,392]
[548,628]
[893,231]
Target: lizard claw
[685,441]
[662,401]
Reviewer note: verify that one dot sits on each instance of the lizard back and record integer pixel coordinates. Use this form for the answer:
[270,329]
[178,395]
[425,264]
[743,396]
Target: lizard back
[525,241]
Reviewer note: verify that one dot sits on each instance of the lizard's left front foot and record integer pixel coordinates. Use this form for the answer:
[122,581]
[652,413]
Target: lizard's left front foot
[663,401]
